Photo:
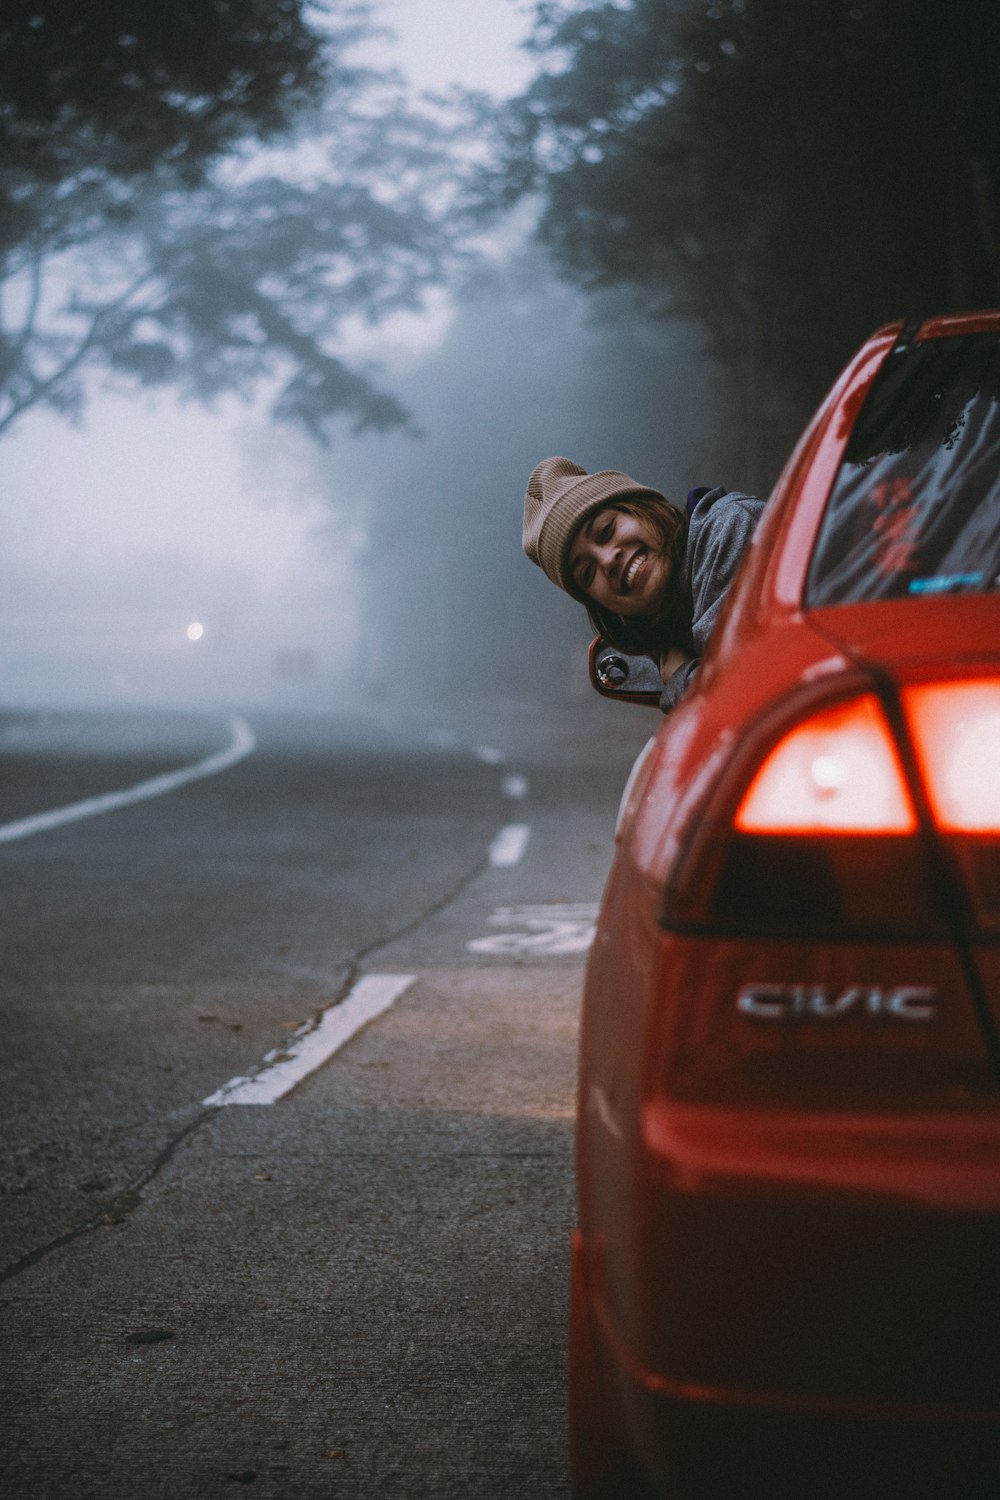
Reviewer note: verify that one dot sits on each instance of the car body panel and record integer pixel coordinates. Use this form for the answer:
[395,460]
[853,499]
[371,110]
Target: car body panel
[788,1149]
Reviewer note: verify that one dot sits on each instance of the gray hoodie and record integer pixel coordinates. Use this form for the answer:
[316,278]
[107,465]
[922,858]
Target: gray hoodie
[719,532]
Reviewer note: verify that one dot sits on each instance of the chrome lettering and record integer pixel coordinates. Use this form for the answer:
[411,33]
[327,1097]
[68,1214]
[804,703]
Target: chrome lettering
[764,1001]
[912,1002]
[783,1002]
[823,1005]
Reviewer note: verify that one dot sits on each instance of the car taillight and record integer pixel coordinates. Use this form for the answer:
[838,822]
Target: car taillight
[809,952]
[838,772]
[956,734]
[820,838]
[956,728]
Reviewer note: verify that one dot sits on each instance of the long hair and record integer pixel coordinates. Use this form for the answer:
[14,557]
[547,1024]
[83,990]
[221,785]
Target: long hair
[670,624]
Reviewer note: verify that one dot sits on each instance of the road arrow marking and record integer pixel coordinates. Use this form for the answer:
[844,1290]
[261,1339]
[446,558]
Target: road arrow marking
[549,930]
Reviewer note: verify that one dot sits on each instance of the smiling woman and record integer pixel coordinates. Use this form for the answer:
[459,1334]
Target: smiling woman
[651,574]
[622,557]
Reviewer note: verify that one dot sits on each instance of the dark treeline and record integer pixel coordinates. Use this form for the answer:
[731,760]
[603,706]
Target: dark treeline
[146,235]
[789,174]
[786,175]
[127,88]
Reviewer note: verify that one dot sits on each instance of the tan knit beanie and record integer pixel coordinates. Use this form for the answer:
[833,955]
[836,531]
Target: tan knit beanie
[559,498]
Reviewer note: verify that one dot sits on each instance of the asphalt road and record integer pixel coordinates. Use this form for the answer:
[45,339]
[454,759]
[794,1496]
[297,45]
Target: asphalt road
[356,1290]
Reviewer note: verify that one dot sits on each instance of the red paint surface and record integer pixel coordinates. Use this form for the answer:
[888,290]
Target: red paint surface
[789,1226]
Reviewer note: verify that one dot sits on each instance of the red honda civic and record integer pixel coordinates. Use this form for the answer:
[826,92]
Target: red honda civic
[786,1271]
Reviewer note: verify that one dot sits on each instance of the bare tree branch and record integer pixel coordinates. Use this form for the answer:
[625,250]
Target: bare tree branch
[41,389]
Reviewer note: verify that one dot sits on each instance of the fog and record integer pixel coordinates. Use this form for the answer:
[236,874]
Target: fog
[450,604]
[164,553]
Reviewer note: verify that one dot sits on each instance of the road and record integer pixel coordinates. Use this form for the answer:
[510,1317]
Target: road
[358,1288]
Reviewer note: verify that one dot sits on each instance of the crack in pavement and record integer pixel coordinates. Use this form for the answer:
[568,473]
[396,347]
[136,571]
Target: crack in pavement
[117,1208]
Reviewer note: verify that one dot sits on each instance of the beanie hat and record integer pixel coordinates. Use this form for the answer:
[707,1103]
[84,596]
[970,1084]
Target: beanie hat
[559,498]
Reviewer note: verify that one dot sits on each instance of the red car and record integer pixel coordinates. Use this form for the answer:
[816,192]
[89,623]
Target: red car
[786,1271]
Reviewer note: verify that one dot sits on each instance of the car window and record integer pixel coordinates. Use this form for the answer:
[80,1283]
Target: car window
[915,508]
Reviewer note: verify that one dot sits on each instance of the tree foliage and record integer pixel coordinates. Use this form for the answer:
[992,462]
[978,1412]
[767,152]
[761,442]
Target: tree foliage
[127,87]
[792,175]
[148,235]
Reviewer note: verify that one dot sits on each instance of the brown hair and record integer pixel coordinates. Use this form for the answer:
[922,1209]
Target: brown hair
[670,625]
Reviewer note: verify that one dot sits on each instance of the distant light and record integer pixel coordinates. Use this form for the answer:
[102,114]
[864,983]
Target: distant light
[195,631]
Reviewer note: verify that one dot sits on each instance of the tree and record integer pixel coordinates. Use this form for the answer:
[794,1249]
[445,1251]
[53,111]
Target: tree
[129,87]
[789,175]
[150,238]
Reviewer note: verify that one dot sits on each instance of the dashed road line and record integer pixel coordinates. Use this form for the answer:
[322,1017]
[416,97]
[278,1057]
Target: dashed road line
[490,755]
[310,1047]
[242,743]
[515,786]
[509,845]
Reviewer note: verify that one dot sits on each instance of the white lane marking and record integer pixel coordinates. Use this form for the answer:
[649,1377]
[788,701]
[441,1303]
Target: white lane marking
[490,754]
[549,930]
[515,786]
[242,743]
[312,1044]
[509,845]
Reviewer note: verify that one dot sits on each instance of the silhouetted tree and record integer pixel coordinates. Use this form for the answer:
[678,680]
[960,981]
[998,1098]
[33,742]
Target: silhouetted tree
[124,88]
[146,235]
[791,175]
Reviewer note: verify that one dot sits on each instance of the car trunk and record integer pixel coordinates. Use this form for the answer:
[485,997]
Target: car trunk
[949,639]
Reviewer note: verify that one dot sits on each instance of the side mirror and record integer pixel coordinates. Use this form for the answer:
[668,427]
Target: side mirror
[630,679]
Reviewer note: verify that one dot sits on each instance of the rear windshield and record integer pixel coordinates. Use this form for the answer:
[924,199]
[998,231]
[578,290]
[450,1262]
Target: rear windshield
[915,508]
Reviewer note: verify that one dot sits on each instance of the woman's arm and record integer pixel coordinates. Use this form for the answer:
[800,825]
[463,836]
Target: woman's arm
[720,540]
[718,550]
[676,671]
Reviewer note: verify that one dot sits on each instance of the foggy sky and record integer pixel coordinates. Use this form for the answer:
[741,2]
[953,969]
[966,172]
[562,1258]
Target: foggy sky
[150,513]
[383,566]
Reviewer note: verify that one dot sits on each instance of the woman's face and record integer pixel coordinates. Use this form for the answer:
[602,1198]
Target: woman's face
[615,559]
